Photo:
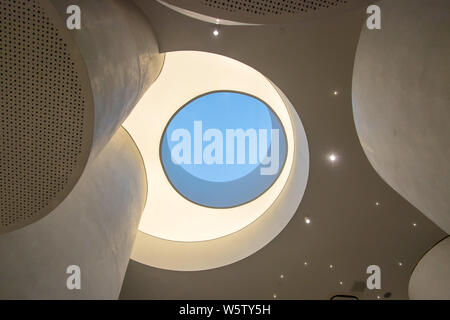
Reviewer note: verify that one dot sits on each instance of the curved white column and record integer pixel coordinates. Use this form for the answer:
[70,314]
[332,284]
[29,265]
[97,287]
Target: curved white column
[66,93]
[401,102]
[431,277]
[93,228]
[121,55]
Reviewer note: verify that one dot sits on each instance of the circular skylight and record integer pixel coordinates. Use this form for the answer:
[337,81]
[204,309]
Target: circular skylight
[196,194]
[223,149]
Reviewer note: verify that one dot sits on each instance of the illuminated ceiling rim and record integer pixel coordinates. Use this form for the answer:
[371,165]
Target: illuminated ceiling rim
[205,255]
[167,214]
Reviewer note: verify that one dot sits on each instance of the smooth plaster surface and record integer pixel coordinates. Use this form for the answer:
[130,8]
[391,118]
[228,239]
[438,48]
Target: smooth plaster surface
[93,228]
[401,102]
[121,55]
[431,277]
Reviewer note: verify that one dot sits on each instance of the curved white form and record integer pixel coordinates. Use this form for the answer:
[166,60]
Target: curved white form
[401,102]
[430,279]
[64,94]
[93,228]
[177,234]
[186,75]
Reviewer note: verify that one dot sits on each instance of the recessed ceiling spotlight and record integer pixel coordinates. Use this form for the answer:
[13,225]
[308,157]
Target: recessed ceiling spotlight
[335,92]
[378,297]
[377,204]
[332,157]
[274,296]
[331,266]
[306,263]
[414,224]
[341,282]
[216,32]
[400,264]
[282,276]
[307,220]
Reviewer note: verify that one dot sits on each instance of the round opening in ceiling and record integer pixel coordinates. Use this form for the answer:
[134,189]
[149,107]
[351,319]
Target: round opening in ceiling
[223,149]
[180,126]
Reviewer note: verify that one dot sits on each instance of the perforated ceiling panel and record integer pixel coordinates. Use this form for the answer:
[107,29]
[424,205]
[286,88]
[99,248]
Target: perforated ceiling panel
[265,11]
[46,113]
[263,7]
